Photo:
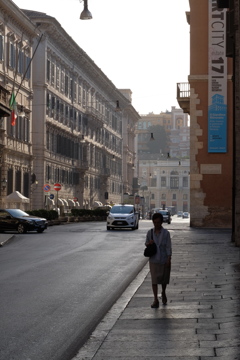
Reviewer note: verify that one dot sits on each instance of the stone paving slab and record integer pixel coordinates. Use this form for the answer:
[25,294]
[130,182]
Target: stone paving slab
[202,318]
[138,349]
[163,313]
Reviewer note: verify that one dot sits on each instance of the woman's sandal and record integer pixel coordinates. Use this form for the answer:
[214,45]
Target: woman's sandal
[155,305]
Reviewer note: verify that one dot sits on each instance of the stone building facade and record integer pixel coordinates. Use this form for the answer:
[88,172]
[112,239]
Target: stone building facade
[164,177]
[79,121]
[164,183]
[208,99]
[175,123]
[16,153]
[232,51]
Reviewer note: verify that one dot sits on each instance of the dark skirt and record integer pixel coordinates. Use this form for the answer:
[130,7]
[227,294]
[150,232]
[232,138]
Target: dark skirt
[160,273]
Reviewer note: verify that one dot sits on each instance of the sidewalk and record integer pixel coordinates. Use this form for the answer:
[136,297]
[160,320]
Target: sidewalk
[201,320]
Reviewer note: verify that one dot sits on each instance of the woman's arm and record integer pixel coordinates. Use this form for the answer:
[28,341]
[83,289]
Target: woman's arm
[148,238]
[169,248]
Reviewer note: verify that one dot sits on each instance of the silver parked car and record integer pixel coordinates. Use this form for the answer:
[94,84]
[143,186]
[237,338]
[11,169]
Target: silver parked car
[123,216]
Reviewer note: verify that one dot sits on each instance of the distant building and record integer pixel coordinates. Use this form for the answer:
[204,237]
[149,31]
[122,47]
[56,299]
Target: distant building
[164,183]
[164,176]
[176,127]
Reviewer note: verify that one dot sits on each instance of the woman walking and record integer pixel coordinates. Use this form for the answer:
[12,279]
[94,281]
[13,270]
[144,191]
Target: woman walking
[160,263]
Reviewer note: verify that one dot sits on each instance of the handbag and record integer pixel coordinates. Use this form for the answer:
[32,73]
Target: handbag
[150,249]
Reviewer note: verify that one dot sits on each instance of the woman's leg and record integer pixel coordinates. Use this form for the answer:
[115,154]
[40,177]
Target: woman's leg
[155,303]
[164,297]
[155,292]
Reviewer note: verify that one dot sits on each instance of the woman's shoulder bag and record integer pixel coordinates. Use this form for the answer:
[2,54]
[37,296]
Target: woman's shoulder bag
[150,249]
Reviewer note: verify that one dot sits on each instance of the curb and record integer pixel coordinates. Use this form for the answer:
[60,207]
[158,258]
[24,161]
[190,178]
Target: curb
[4,242]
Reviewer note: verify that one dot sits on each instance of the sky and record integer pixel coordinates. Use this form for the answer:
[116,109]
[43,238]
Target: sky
[142,45]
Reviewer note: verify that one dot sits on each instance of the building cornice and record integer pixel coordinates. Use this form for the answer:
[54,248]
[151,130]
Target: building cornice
[78,57]
[12,13]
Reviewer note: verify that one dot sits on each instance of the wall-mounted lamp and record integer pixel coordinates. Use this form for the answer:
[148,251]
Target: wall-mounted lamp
[152,137]
[21,112]
[85,14]
[4,183]
[36,185]
[117,106]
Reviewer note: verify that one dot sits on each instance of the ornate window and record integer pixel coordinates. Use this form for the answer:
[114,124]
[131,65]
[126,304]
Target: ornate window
[174,182]
[163,181]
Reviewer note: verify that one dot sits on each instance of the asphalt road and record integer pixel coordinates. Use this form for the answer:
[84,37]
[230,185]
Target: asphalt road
[55,287]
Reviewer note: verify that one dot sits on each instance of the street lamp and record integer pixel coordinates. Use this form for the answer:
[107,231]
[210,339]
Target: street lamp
[4,184]
[85,14]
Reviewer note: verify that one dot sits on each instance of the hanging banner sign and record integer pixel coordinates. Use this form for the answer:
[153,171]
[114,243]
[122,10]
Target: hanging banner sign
[217,83]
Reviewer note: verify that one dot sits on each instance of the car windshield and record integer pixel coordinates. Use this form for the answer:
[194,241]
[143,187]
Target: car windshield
[164,212]
[17,212]
[122,210]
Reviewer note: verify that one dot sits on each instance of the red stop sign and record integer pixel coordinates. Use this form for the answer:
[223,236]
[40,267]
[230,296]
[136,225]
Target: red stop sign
[57,187]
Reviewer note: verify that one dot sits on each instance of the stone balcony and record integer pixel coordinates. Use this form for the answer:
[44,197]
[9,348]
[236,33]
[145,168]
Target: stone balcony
[183,96]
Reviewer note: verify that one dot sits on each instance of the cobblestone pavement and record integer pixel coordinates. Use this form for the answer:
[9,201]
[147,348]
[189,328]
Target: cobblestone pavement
[201,320]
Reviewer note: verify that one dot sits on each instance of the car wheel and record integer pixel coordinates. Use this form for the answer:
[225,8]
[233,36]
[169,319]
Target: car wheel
[136,226]
[108,227]
[21,229]
[40,230]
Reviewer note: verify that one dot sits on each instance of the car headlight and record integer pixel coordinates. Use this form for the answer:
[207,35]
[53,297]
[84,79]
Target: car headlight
[130,217]
[30,222]
[110,217]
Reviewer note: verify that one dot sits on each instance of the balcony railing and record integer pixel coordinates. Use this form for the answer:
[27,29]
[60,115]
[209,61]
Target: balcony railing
[90,110]
[183,96]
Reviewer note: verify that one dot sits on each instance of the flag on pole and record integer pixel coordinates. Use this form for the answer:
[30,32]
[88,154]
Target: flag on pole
[13,107]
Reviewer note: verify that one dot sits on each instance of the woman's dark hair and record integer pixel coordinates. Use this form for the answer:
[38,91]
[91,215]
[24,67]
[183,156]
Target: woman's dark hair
[157,216]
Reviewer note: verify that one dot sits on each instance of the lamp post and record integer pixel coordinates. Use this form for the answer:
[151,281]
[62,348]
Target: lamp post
[4,184]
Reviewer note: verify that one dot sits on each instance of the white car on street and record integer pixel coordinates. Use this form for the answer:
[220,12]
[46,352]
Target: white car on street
[123,216]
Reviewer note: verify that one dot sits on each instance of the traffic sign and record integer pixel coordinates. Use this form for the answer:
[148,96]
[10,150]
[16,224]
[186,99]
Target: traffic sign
[75,199]
[46,187]
[51,196]
[57,187]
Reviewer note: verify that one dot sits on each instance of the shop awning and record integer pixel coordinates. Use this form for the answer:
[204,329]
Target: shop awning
[16,197]
[97,204]
[71,202]
[50,201]
[60,202]
[65,202]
